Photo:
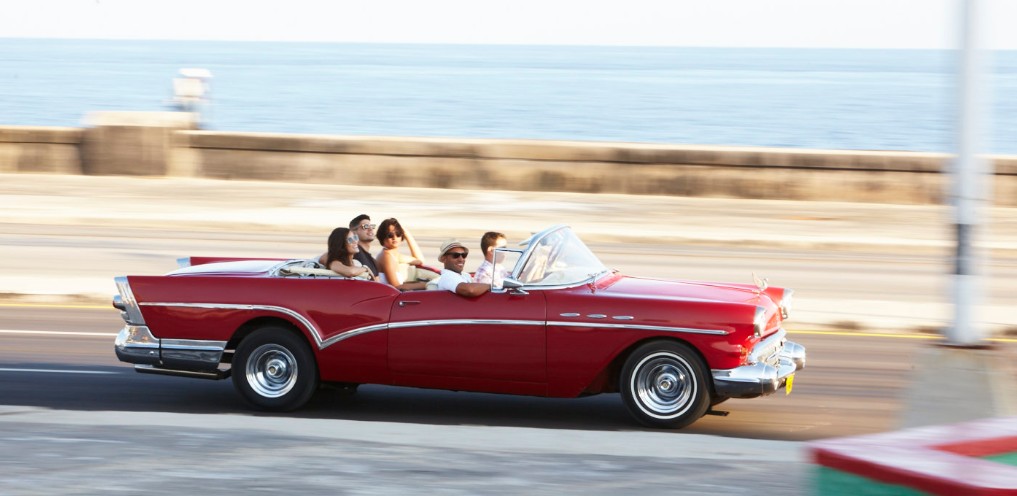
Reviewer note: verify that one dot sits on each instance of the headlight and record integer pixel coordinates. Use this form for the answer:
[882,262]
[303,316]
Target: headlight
[785,303]
[759,322]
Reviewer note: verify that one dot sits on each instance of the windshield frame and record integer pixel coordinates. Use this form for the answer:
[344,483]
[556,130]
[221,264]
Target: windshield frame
[531,245]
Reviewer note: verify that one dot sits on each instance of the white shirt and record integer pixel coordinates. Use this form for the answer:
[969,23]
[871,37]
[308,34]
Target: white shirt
[451,279]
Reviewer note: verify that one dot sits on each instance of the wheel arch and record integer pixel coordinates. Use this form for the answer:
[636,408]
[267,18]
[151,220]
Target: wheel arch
[265,321]
[609,376]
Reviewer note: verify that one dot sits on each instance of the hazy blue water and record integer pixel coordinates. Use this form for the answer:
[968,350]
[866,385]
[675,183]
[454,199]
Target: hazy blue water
[841,99]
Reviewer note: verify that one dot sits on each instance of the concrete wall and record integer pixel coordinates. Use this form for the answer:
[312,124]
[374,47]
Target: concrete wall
[132,143]
[739,172]
[40,149]
[162,144]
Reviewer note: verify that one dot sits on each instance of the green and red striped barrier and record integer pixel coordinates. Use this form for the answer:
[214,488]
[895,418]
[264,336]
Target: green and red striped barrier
[976,458]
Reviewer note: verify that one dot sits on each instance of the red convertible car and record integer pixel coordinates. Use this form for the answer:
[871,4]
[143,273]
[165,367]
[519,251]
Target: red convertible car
[560,325]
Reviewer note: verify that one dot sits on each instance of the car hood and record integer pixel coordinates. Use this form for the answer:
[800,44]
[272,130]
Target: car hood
[245,268]
[686,290]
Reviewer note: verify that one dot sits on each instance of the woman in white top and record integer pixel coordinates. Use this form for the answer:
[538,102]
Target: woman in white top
[393,265]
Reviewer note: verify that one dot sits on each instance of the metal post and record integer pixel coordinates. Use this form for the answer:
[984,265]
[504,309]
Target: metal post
[971,175]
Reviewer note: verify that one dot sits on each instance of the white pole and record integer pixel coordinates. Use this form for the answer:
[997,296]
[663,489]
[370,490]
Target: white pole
[971,180]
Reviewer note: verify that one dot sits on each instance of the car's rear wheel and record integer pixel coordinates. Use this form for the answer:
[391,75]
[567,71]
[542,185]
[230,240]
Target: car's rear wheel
[664,384]
[274,369]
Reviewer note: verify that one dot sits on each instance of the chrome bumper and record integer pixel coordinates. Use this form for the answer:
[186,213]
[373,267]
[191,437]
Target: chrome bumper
[771,362]
[136,344]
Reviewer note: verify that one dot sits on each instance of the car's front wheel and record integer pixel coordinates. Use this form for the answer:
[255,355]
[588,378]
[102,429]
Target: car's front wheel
[664,384]
[274,369]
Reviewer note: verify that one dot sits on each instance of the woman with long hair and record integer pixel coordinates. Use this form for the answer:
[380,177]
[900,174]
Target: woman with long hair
[342,244]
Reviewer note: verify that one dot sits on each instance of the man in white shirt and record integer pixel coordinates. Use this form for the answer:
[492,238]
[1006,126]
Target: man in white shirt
[453,256]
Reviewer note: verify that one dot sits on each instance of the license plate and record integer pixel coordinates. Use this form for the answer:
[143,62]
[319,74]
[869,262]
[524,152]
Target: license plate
[788,384]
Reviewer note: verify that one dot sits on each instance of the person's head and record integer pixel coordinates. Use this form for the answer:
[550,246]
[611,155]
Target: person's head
[362,227]
[453,255]
[489,241]
[390,234]
[342,244]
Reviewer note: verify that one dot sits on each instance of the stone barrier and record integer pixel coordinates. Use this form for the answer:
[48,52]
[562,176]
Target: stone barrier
[167,144]
[40,149]
[132,143]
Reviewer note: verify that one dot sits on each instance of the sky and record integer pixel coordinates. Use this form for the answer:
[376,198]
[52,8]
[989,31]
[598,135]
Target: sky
[733,23]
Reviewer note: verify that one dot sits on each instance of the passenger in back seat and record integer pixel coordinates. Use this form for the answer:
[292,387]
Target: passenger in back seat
[361,226]
[488,270]
[393,265]
[342,244]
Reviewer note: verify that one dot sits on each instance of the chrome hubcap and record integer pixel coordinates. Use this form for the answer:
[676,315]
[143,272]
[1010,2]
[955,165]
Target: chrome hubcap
[271,371]
[664,385]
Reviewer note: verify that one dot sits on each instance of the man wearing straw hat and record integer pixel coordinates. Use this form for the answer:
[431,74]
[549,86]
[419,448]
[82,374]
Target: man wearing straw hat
[453,256]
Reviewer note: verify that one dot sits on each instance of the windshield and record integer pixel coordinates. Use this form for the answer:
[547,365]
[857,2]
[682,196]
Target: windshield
[557,257]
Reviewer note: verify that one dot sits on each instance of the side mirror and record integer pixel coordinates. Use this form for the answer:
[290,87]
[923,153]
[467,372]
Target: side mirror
[513,285]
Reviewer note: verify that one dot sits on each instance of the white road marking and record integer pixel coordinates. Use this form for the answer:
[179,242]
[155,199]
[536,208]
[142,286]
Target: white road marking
[104,335]
[59,371]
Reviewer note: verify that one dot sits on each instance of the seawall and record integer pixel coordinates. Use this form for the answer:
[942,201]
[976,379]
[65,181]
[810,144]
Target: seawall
[169,144]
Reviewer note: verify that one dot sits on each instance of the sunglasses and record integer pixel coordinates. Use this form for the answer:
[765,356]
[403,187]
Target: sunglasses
[457,255]
[367,227]
[353,239]
[392,235]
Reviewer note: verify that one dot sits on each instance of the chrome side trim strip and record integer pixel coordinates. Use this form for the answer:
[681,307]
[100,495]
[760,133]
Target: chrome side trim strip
[351,333]
[570,314]
[686,330]
[232,306]
[425,323]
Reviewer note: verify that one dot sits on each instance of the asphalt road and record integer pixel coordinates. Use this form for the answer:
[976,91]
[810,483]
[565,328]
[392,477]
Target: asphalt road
[62,358]
[73,420]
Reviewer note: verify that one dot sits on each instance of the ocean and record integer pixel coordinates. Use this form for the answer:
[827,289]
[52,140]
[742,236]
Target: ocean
[801,98]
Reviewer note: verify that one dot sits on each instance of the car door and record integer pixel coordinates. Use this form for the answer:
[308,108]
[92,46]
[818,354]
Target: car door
[494,342]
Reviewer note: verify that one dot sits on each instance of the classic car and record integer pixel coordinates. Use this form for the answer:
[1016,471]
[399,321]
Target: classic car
[560,324]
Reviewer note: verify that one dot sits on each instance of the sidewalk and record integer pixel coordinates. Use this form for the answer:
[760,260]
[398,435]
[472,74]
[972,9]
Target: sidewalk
[84,452]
